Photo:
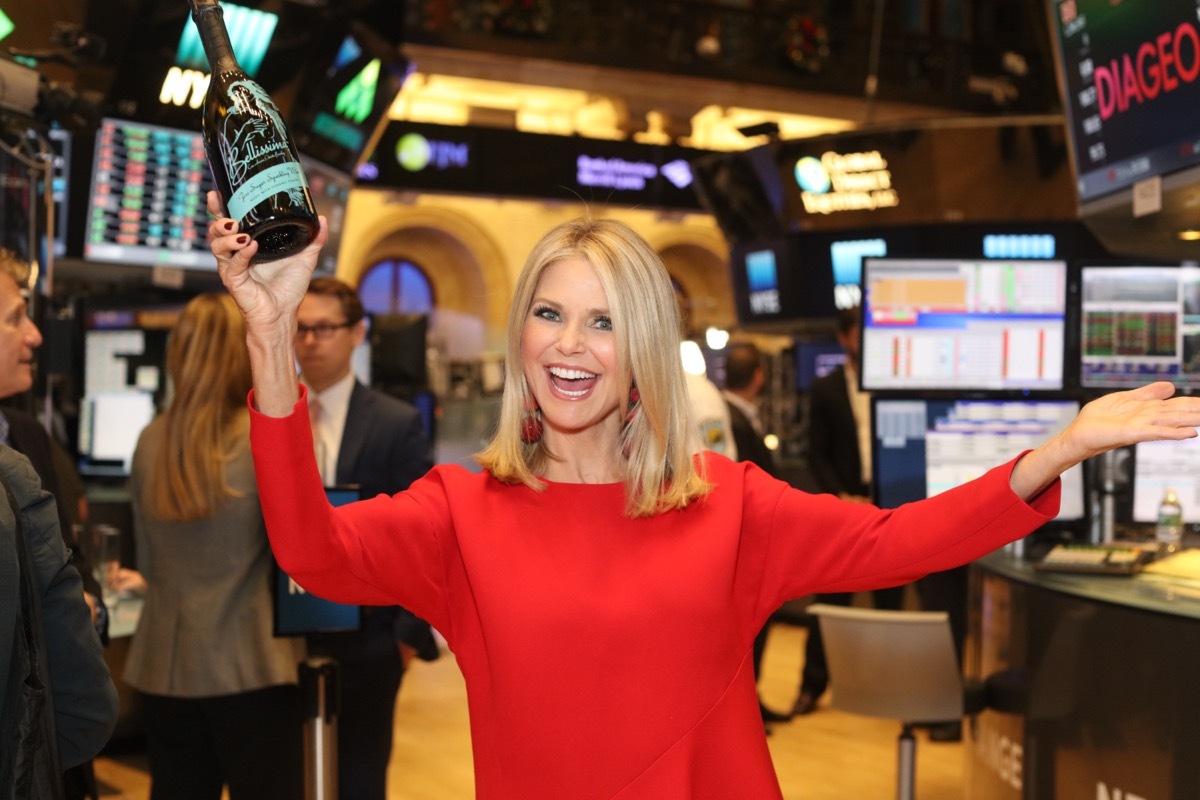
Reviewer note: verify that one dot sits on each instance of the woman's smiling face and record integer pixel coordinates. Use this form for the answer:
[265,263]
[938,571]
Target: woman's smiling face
[569,351]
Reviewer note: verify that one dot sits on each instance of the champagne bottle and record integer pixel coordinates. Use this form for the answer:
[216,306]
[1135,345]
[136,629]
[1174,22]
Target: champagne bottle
[253,161]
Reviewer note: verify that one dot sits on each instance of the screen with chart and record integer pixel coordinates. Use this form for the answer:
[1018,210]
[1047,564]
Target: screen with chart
[978,324]
[1162,465]
[146,205]
[921,447]
[1139,324]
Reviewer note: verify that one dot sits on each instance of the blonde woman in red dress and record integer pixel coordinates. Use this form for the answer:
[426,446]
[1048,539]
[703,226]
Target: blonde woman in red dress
[599,581]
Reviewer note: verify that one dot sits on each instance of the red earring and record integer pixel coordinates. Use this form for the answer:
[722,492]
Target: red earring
[531,422]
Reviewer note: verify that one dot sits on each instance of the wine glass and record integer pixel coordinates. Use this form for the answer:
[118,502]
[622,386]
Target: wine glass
[106,561]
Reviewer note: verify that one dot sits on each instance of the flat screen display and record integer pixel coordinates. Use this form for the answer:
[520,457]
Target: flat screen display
[1162,465]
[60,184]
[297,612]
[147,197]
[124,382]
[336,115]
[773,281]
[956,324]
[816,359]
[330,190]
[921,447]
[1139,324]
[1129,76]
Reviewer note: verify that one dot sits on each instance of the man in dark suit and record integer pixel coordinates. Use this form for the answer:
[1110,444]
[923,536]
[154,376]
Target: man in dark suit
[378,442]
[744,381]
[839,457]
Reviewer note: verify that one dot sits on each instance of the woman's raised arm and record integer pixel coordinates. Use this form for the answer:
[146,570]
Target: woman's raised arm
[268,295]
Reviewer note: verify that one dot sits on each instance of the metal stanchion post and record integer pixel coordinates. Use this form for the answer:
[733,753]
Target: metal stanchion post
[319,686]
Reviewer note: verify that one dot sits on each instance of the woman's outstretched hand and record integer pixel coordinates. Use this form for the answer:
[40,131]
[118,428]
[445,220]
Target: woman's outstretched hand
[269,293]
[1114,420]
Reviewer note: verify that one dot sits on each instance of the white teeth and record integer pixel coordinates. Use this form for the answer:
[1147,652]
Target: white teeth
[570,374]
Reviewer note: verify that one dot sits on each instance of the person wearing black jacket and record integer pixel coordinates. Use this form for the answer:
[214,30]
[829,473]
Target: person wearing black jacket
[839,457]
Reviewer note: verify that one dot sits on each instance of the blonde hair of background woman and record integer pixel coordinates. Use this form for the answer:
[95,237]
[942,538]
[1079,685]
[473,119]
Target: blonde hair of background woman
[661,473]
[207,422]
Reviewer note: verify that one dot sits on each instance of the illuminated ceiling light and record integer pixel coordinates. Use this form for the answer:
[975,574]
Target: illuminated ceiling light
[693,358]
[717,127]
[715,338]
[1190,235]
[6,25]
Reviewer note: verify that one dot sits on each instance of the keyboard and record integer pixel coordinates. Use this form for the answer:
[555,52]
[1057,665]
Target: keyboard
[1096,558]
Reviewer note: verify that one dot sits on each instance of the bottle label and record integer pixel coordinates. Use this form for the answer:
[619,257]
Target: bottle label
[253,135]
[271,181]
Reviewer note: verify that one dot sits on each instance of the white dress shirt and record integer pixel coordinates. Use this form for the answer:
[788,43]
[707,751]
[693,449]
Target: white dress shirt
[330,424]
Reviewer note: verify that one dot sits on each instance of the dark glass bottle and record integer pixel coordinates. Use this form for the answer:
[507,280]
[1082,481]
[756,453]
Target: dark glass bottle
[252,158]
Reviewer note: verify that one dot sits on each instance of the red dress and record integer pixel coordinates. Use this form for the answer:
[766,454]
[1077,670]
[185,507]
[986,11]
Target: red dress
[609,657]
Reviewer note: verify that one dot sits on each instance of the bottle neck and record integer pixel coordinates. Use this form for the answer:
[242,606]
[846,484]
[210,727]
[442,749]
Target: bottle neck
[210,23]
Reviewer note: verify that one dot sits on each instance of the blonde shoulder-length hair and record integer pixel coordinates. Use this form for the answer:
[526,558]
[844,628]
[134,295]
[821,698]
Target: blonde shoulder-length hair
[206,422]
[661,472]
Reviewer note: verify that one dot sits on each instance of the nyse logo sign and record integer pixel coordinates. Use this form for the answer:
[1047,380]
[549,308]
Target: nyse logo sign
[184,87]
[763,282]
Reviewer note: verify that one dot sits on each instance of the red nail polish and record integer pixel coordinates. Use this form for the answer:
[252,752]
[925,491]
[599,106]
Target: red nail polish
[228,225]
[243,239]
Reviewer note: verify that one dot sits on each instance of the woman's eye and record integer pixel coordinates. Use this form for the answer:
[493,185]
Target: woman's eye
[545,312]
[603,323]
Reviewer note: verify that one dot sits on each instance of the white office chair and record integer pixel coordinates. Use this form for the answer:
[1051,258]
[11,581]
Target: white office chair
[897,665]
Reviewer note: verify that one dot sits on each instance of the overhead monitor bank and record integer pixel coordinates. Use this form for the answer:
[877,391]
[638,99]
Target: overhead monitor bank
[803,279]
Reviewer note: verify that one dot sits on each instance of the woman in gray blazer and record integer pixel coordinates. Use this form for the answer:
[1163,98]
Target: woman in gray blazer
[218,690]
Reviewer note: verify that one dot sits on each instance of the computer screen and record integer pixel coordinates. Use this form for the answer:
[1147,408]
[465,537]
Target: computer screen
[330,190]
[60,185]
[773,281]
[955,324]
[298,613]
[921,447]
[1139,324]
[816,359]
[146,201]
[335,117]
[1127,72]
[124,381]
[1162,465]
[109,427]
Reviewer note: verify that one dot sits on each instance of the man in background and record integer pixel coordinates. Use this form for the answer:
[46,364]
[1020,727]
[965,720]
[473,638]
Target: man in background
[377,442]
[19,340]
[744,381]
[839,457]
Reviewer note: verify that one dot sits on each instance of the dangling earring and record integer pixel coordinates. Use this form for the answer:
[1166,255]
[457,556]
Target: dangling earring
[635,399]
[531,422]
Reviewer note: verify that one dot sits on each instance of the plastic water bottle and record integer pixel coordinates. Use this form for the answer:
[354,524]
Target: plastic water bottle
[1169,530]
